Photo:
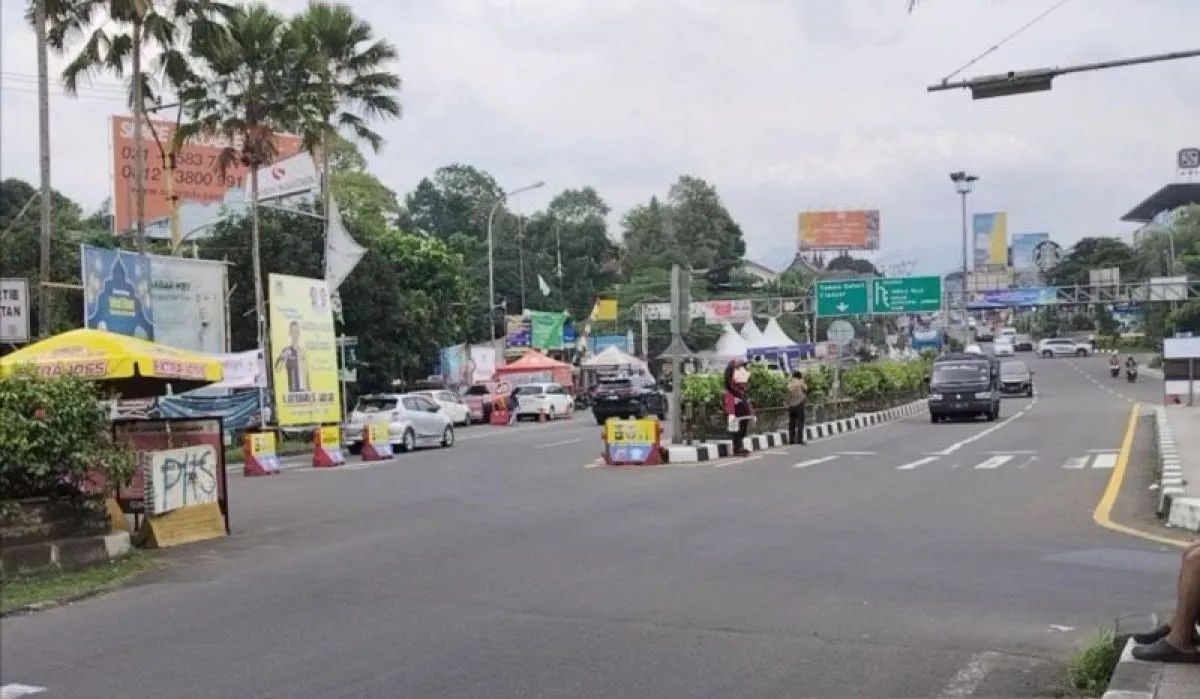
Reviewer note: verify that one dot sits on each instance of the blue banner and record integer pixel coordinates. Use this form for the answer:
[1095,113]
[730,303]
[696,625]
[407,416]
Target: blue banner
[116,292]
[1018,297]
[238,410]
[602,342]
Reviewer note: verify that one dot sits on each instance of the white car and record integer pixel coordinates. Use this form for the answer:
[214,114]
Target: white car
[1003,347]
[1008,332]
[973,349]
[452,405]
[413,420]
[550,399]
[1063,347]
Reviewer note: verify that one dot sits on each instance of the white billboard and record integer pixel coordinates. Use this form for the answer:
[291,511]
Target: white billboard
[292,175]
[188,297]
[14,310]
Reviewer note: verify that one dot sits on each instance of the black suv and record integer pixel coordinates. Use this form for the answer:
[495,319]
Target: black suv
[634,396]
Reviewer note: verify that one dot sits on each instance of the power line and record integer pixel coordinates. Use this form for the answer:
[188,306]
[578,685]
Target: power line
[26,78]
[1006,39]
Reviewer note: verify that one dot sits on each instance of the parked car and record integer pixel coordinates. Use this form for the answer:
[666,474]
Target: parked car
[551,399]
[1022,343]
[1016,379]
[1008,332]
[450,404]
[964,385]
[413,420]
[1063,347]
[1003,347]
[479,399]
[626,397]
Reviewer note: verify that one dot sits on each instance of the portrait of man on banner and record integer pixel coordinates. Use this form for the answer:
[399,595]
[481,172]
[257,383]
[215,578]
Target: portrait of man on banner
[303,361]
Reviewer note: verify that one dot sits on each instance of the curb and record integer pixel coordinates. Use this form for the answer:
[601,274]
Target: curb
[696,453]
[1132,678]
[1174,505]
[65,554]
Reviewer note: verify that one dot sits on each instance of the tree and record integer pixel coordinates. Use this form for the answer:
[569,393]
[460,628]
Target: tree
[455,200]
[701,225]
[574,220]
[649,243]
[1095,253]
[1186,318]
[846,263]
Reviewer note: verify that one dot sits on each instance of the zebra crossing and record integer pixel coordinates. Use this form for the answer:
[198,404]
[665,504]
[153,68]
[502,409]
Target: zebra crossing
[1096,459]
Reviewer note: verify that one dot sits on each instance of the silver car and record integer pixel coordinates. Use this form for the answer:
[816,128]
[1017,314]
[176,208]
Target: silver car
[413,420]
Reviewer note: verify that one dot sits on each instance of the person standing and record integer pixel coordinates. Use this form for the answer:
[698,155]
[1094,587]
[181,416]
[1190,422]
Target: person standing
[736,403]
[797,400]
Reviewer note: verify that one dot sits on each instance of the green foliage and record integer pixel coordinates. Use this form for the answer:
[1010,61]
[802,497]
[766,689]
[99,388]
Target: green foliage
[1185,318]
[1095,253]
[55,434]
[1106,324]
[1093,667]
[862,381]
[883,379]
[703,390]
[819,381]
[846,263]
[692,228]
[766,388]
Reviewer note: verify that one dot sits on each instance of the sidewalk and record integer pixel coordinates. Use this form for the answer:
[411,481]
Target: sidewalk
[1135,679]
[1179,461]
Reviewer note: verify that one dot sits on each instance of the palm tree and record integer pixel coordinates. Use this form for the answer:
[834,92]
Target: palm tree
[347,74]
[119,32]
[248,88]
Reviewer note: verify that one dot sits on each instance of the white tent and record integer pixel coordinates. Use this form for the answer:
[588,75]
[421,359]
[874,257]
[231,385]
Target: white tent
[753,336]
[775,336]
[730,344]
[613,356]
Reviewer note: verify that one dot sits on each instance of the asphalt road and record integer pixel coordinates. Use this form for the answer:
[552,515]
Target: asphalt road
[910,559]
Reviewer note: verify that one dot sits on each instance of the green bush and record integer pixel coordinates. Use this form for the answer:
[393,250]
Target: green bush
[863,381]
[819,380]
[767,388]
[703,390]
[54,433]
[1091,670]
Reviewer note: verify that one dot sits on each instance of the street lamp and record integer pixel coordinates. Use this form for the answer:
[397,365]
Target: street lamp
[963,184]
[491,264]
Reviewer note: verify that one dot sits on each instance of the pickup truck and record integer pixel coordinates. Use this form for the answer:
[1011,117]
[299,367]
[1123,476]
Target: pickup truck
[479,399]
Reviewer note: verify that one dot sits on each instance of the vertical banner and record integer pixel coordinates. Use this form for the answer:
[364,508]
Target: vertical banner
[547,327]
[1023,245]
[991,238]
[456,369]
[517,331]
[188,298]
[483,359]
[117,292]
[14,310]
[303,355]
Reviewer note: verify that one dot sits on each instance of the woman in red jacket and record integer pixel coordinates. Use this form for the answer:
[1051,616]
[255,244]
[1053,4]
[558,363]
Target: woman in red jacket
[738,412]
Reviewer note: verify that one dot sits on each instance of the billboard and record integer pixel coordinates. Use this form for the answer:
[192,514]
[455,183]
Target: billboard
[839,230]
[303,355]
[116,292]
[188,298]
[198,185]
[456,368]
[14,310]
[1023,245]
[991,238]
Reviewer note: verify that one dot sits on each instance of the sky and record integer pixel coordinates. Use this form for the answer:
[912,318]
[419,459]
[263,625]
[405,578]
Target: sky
[784,105]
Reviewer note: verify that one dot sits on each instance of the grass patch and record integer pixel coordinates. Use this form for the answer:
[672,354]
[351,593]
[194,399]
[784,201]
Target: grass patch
[1093,667]
[44,588]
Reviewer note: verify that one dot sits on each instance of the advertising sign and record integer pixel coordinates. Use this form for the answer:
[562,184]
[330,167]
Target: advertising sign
[631,441]
[1130,318]
[287,176]
[546,328]
[839,230]
[605,309]
[456,369]
[117,292]
[198,184]
[241,370]
[14,310]
[304,359]
[1045,296]
[1023,245]
[991,238]
[180,477]
[188,298]
[483,361]
[517,331]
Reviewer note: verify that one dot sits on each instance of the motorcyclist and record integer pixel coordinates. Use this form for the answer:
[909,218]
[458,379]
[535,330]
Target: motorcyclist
[1131,364]
[1114,362]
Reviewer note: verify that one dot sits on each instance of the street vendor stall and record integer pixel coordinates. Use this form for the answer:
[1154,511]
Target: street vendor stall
[534,367]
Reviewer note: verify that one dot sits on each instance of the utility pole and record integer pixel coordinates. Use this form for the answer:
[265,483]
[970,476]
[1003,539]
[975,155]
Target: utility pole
[562,292]
[39,18]
[963,184]
[521,255]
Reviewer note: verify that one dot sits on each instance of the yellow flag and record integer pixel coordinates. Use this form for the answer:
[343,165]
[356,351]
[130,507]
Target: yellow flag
[605,309]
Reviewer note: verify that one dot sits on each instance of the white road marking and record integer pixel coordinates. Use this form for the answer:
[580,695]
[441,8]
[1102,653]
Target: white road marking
[980,435]
[558,444]
[735,460]
[857,453]
[814,462]
[1060,628]
[1103,451]
[776,452]
[968,679]
[1076,462]
[994,462]
[1104,461]
[12,691]
[595,463]
[913,464]
[1012,451]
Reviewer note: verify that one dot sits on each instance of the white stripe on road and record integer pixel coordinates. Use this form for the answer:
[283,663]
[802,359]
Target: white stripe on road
[980,435]
[12,691]
[1012,451]
[1104,461]
[857,453]
[558,444]
[814,462]
[1076,462]
[994,462]
[913,464]
[968,679]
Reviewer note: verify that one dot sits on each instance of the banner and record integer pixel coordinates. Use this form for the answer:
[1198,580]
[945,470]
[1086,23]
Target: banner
[303,355]
[602,342]
[117,292]
[188,298]
[483,360]
[605,309]
[456,367]
[1023,245]
[991,238]
[838,230]
[517,331]
[1130,318]
[288,176]
[241,370]
[238,411]
[14,310]
[342,252]
[1019,297]
[199,185]
[546,328]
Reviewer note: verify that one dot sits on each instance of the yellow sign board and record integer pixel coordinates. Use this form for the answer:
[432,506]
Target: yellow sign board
[630,431]
[262,442]
[184,525]
[303,354]
[605,309]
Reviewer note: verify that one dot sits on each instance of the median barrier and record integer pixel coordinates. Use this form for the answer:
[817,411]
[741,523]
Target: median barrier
[260,456]
[327,447]
[377,442]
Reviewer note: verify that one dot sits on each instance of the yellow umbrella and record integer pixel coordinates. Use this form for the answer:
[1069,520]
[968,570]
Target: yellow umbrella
[133,367]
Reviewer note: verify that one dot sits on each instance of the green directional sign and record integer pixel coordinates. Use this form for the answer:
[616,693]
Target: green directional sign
[845,297]
[906,295]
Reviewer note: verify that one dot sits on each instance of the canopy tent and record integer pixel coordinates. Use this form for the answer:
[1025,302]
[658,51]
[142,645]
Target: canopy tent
[775,335]
[753,336]
[613,356]
[130,366]
[730,344]
[533,367]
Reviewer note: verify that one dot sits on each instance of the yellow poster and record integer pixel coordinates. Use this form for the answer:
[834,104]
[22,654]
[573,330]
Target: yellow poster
[262,443]
[605,309]
[303,352]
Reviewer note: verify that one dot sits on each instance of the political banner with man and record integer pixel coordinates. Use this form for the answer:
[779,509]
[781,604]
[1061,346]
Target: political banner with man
[303,351]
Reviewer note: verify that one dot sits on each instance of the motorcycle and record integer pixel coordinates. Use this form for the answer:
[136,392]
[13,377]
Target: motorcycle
[1115,370]
[1131,374]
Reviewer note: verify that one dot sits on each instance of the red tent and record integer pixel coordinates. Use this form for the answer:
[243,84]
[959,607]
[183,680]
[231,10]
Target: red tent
[534,367]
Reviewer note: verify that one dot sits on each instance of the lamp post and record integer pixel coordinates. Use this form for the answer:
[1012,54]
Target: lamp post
[491,259]
[963,184]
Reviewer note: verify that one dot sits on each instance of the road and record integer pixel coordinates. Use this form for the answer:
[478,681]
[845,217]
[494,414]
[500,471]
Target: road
[909,559]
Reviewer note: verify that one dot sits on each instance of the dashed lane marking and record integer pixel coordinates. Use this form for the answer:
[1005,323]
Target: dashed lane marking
[12,691]
[1076,462]
[919,462]
[856,453]
[1104,461]
[994,462]
[814,462]
[564,442]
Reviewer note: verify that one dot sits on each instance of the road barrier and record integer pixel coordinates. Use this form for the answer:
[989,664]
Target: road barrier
[327,447]
[259,454]
[377,443]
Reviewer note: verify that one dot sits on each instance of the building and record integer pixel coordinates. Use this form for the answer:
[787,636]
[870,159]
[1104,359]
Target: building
[764,274]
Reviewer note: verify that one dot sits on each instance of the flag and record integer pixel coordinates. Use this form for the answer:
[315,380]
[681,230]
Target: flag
[605,309]
[342,253]
[543,286]
[546,329]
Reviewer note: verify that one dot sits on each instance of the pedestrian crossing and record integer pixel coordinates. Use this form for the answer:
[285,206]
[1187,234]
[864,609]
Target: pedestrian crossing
[1096,459]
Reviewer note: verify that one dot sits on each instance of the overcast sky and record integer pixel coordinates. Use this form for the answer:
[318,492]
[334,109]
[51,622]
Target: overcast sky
[783,104]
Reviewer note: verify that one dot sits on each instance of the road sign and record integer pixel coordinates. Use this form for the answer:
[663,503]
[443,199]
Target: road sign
[840,332]
[906,295]
[842,298]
